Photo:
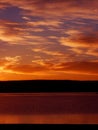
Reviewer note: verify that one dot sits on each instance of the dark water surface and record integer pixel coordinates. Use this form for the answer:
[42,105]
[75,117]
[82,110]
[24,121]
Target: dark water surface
[49,107]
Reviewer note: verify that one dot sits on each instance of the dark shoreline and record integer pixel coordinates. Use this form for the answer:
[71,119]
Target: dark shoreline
[29,86]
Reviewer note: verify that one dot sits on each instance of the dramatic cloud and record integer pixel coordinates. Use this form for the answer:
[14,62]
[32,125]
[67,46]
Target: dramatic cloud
[9,60]
[25,69]
[4,62]
[10,31]
[81,40]
[93,52]
[48,39]
[79,67]
[16,33]
[45,23]
[12,64]
[57,8]
[43,50]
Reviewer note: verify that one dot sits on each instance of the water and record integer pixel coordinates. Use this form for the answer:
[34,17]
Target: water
[60,108]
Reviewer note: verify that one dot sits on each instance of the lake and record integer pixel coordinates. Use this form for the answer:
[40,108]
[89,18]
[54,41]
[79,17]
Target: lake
[60,108]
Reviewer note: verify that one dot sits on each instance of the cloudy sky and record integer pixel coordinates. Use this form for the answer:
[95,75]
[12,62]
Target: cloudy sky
[49,39]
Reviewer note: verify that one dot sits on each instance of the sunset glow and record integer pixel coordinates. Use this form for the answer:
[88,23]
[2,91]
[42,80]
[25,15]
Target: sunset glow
[49,39]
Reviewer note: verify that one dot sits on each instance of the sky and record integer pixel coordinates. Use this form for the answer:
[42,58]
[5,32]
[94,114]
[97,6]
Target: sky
[49,39]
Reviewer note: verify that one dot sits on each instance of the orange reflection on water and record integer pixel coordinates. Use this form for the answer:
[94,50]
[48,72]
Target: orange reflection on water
[50,119]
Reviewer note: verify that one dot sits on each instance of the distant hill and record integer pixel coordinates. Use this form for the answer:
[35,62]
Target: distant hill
[48,86]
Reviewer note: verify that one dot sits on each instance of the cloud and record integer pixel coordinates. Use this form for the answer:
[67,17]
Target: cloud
[9,60]
[37,30]
[40,69]
[25,69]
[54,53]
[88,68]
[81,40]
[3,5]
[48,23]
[57,8]
[6,61]
[55,32]
[12,65]
[48,52]
[18,33]
[83,43]
[93,52]
[11,32]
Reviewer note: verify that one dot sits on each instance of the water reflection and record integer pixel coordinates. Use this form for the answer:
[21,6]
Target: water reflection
[53,119]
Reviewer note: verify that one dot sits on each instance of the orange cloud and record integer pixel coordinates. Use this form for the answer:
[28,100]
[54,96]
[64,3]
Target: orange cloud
[16,33]
[93,52]
[3,5]
[89,68]
[9,60]
[25,69]
[81,40]
[11,32]
[48,23]
[87,9]
[54,37]
[82,43]
[10,68]
[6,61]
[45,51]
[40,66]
[12,65]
